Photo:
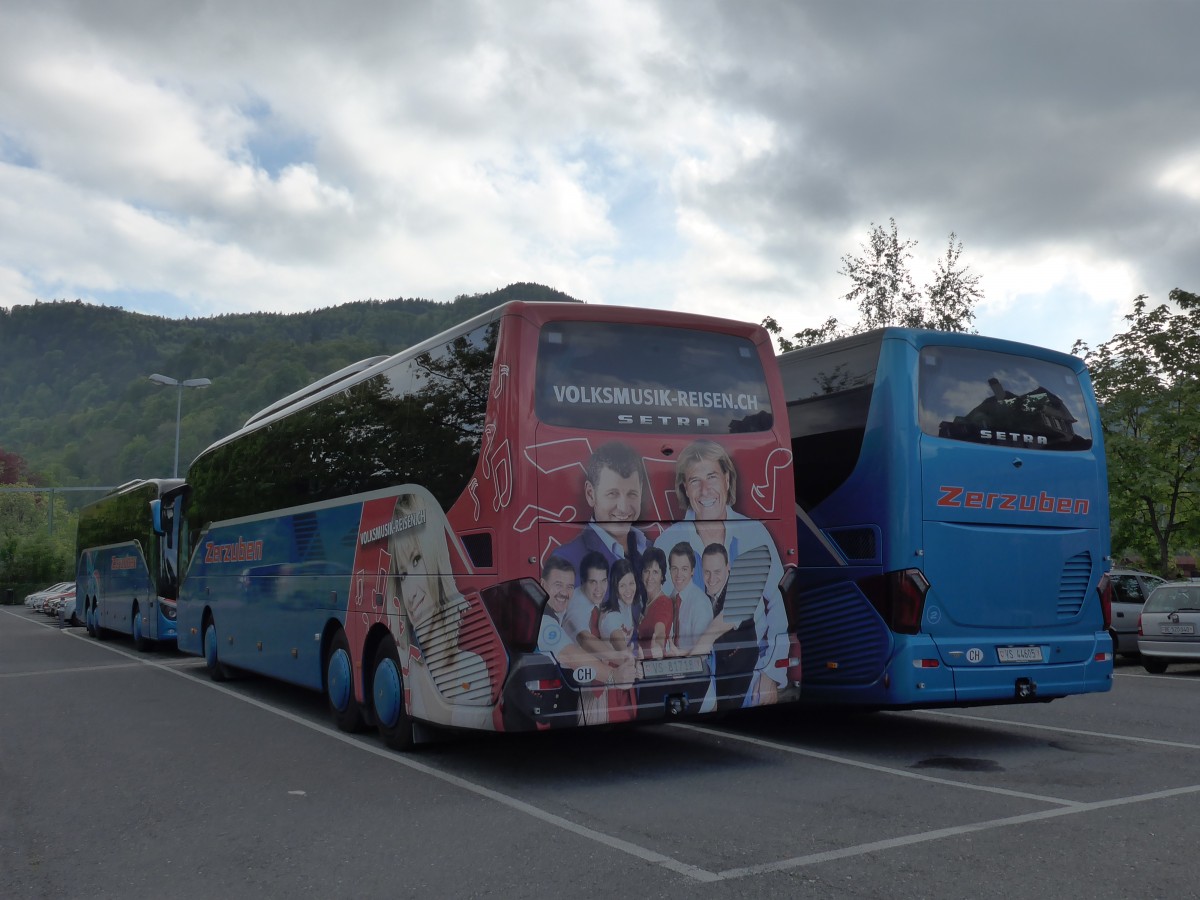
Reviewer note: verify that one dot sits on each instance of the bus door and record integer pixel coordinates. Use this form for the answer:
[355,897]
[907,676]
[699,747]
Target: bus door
[166,518]
[1011,501]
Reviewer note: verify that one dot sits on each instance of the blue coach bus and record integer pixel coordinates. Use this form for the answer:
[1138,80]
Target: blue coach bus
[126,562]
[952,508]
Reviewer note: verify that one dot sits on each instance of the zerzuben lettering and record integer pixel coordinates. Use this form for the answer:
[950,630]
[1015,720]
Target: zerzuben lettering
[236,551]
[956,497]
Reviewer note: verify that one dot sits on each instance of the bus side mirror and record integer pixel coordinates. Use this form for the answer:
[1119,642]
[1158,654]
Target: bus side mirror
[156,516]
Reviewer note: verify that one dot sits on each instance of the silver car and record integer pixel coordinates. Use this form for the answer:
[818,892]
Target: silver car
[37,599]
[1130,590]
[1169,628]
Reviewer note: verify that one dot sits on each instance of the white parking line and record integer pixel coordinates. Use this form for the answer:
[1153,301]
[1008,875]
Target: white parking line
[696,873]
[1164,677]
[875,767]
[71,671]
[942,833]
[1059,729]
[45,622]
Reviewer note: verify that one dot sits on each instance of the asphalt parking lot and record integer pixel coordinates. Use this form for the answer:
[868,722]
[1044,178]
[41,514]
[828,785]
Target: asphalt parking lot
[133,775]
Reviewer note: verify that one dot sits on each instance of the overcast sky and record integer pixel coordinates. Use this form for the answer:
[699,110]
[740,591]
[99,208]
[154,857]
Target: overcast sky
[199,158]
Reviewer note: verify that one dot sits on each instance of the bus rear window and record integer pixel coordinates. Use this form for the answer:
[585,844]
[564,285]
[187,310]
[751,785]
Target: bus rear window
[648,378]
[997,398]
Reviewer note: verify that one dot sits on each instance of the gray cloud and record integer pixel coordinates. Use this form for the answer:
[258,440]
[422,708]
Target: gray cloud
[718,156]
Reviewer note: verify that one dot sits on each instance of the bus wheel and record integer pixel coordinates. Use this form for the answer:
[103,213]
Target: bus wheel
[89,617]
[387,694]
[339,685]
[216,668]
[97,629]
[1154,666]
[139,639]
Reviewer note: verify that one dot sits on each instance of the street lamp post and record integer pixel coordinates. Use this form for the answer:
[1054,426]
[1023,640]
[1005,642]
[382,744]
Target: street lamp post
[171,382]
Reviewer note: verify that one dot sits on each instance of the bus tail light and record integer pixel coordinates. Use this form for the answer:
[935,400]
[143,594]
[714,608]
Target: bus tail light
[898,597]
[1105,589]
[544,684]
[789,590]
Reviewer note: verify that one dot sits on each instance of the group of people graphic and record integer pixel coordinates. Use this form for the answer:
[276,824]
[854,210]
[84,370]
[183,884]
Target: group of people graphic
[618,604]
[631,621]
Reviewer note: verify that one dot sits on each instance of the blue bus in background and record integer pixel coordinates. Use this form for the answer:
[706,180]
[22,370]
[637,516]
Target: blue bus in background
[126,561]
[952,507]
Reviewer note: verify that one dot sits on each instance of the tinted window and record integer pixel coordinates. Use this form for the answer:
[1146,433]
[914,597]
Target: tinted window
[420,421]
[646,378]
[1127,589]
[1173,597]
[118,518]
[997,398]
[828,390]
[830,369]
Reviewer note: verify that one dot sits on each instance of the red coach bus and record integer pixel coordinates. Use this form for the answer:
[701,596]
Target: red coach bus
[555,514]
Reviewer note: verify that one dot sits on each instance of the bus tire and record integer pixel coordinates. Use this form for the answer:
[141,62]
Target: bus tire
[216,669]
[387,695]
[140,643]
[1154,666]
[89,616]
[339,685]
[98,631]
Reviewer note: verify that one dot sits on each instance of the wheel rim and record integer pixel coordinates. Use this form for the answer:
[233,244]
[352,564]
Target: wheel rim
[210,646]
[388,702]
[337,676]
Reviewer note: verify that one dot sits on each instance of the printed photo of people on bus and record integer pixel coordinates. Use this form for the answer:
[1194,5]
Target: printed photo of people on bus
[694,610]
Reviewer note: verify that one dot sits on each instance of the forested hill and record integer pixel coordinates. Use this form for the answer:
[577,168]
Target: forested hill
[77,404]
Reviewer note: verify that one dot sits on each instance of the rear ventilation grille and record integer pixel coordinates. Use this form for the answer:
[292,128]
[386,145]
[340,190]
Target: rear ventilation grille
[856,543]
[1072,587]
[747,583]
[843,638]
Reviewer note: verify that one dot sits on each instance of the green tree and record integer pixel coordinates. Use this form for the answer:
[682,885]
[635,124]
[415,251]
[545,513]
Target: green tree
[880,281]
[953,293]
[883,288]
[29,552]
[1147,381]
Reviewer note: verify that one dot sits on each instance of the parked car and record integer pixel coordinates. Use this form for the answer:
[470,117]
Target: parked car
[64,606]
[1130,590]
[1169,627]
[37,600]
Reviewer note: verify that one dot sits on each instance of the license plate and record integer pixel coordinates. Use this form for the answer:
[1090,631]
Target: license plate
[1177,629]
[677,665]
[1019,654]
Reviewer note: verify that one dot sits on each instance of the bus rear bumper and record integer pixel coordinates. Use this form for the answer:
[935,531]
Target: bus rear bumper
[918,676]
[1075,665]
